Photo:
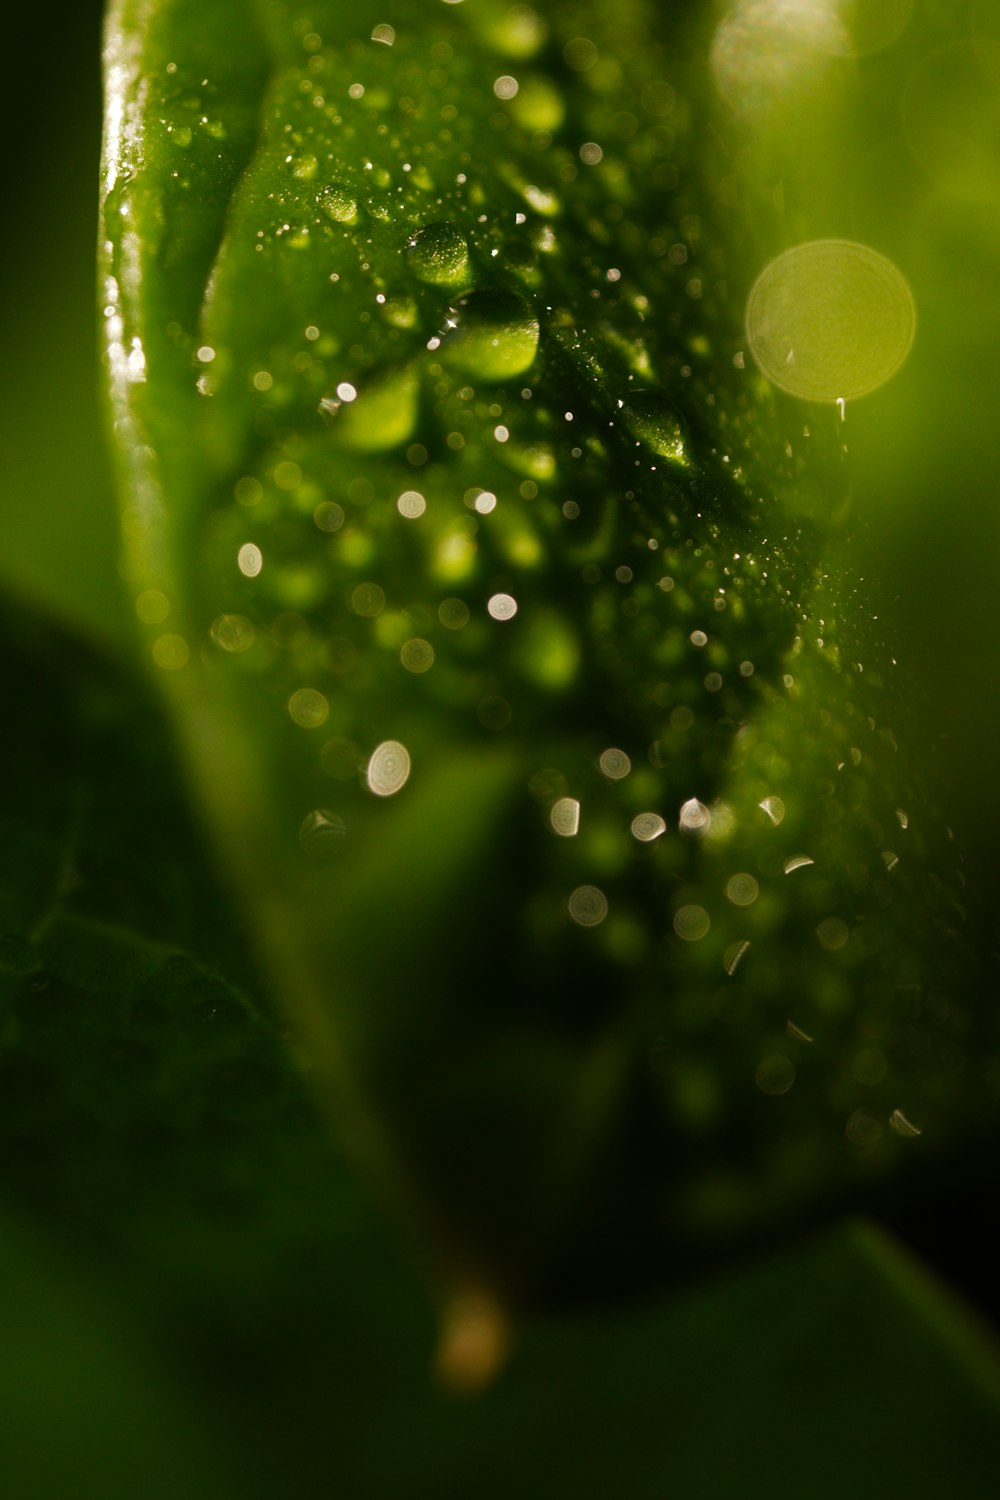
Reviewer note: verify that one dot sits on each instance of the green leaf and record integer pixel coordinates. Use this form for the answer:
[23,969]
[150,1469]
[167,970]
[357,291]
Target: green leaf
[430,451]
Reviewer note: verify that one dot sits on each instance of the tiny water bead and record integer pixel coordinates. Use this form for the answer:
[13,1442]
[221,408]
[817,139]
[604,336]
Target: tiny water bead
[321,833]
[439,255]
[564,817]
[388,769]
[588,906]
[492,334]
[339,204]
[830,320]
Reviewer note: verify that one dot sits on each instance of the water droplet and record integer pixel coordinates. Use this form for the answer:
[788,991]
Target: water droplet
[249,560]
[492,334]
[565,817]
[742,889]
[411,504]
[152,607]
[321,833]
[368,599]
[339,204]
[453,614]
[439,255]
[829,319]
[833,933]
[502,606]
[170,652]
[691,923]
[614,764]
[382,416]
[798,862]
[652,421]
[734,955]
[648,826]
[417,655]
[388,769]
[308,708]
[588,906]
[797,1032]
[695,818]
[232,633]
[774,808]
[902,1126]
[775,1075]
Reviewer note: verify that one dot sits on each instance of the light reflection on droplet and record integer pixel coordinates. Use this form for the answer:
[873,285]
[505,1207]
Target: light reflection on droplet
[648,826]
[899,1123]
[411,504]
[565,817]
[368,600]
[232,633]
[308,708]
[388,769]
[152,607]
[250,560]
[385,34]
[691,923]
[833,933]
[453,614]
[903,817]
[248,491]
[329,516]
[346,391]
[774,808]
[417,655]
[798,862]
[588,906]
[614,764]
[505,87]
[797,1032]
[742,889]
[775,1075]
[321,833]
[734,955]
[502,606]
[891,860]
[695,818]
[830,319]
[170,652]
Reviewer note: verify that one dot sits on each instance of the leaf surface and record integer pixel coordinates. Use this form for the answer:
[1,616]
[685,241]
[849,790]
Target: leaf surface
[433,448]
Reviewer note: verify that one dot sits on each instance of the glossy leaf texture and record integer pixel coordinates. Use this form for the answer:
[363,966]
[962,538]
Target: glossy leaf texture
[511,631]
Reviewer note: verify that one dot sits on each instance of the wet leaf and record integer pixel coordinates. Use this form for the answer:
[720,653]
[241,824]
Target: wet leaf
[462,508]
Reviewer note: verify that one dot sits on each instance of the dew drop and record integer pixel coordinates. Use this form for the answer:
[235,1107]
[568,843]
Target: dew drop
[614,764]
[232,633]
[902,1126]
[564,817]
[388,769]
[492,334]
[830,319]
[588,906]
[308,708]
[691,923]
[775,1075]
[695,818]
[339,204]
[648,826]
[382,416]
[652,421]
[439,255]
[321,833]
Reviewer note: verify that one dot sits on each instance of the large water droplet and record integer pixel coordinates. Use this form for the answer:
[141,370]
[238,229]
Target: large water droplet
[653,422]
[830,319]
[339,204]
[382,416]
[492,334]
[439,255]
